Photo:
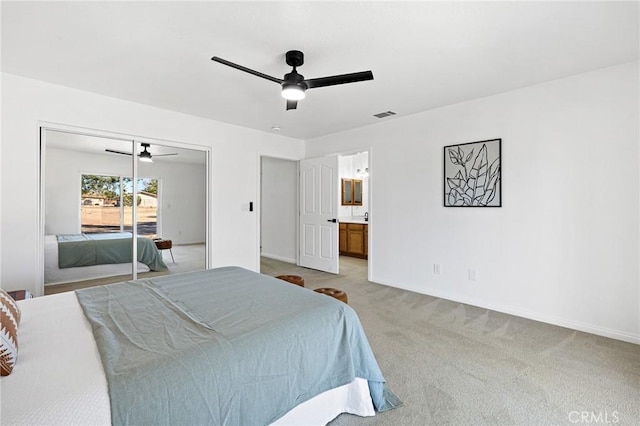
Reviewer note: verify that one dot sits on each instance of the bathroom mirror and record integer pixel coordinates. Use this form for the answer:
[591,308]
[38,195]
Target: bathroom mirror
[347,192]
[357,192]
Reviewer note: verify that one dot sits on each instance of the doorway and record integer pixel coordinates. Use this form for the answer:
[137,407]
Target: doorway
[354,211]
[279,207]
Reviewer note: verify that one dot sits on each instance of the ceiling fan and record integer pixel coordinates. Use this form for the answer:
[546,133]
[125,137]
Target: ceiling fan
[145,155]
[294,85]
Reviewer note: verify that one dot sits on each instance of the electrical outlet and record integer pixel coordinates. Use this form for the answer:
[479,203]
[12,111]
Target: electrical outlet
[436,268]
[472,275]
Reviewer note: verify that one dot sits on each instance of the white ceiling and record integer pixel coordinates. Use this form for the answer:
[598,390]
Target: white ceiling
[423,55]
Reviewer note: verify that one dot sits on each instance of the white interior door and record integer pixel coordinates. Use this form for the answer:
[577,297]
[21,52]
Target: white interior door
[319,214]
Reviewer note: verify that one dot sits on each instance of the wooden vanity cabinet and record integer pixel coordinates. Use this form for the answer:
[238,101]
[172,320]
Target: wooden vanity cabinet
[353,239]
[342,237]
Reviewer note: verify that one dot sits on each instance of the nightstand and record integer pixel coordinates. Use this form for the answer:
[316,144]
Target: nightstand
[20,294]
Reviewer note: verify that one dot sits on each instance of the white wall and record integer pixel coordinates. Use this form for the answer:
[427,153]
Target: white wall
[182,197]
[279,209]
[182,192]
[235,153]
[564,248]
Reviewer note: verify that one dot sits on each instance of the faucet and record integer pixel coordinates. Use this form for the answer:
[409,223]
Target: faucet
[366,216]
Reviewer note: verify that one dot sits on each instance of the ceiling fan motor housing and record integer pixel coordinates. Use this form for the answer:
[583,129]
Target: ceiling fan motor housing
[294,79]
[294,58]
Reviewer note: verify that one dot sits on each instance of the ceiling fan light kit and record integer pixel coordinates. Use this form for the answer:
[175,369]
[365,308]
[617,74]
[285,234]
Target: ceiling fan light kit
[145,156]
[294,85]
[292,92]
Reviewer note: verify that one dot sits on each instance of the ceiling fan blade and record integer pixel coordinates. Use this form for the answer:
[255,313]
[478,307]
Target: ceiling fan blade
[245,69]
[164,155]
[118,152]
[291,104]
[339,79]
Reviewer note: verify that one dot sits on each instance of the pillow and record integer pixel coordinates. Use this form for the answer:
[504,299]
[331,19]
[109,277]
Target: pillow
[9,319]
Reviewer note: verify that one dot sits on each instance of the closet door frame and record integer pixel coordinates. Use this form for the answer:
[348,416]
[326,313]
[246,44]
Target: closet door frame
[135,141]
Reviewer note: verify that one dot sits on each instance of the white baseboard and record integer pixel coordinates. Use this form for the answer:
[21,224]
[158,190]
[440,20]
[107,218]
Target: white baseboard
[281,258]
[523,313]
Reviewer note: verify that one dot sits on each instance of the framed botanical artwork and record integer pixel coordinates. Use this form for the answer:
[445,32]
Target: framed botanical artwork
[473,174]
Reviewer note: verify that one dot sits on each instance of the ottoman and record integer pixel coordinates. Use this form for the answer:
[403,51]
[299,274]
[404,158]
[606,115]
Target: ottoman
[333,292]
[293,279]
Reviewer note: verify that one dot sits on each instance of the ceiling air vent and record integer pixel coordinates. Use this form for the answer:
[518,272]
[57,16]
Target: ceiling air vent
[384,114]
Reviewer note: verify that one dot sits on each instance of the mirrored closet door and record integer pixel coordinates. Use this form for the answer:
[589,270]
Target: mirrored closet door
[99,192]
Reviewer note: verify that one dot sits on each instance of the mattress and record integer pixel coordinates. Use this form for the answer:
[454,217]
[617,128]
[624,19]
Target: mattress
[54,275]
[59,380]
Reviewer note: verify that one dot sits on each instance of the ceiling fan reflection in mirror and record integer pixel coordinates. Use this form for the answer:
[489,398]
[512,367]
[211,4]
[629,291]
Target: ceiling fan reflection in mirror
[293,84]
[145,155]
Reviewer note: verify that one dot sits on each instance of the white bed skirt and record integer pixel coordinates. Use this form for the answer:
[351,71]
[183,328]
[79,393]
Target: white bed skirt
[58,378]
[54,275]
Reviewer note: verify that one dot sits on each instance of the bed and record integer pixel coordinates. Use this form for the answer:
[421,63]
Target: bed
[111,260]
[280,354]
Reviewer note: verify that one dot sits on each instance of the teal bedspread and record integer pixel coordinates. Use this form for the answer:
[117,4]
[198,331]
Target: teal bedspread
[224,346]
[107,248]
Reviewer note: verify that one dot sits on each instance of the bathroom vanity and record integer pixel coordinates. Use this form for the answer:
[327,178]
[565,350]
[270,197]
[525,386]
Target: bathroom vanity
[354,237]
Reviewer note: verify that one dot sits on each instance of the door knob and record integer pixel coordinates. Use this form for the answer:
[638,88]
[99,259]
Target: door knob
[332,220]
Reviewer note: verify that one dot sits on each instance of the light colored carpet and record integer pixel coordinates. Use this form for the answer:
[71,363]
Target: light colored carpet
[455,364]
[190,257]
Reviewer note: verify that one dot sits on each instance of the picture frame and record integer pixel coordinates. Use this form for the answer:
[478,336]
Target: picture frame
[473,174]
